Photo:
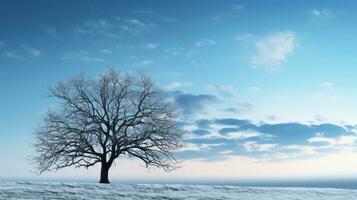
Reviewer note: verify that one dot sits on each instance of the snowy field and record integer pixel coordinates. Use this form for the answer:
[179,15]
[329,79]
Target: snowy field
[81,191]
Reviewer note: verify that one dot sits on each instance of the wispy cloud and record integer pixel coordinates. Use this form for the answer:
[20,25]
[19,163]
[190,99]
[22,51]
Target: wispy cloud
[254,88]
[198,147]
[237,7]
[229,13]
[326,95]
[222,90]
[327,85]
[245,37]
[24,52]
[146,62]
[254,146]
[106,51]
[340,140]
[97,28]
[152,45]
[177,85]
[113,28]
[273,50]
[173,51]
[81,55]
[192,50]
[136,26]
[12,54]
[135,22]
[50,31]
[243,134]
[205,42]
[322,13]
[244,107]
[303,150]
[153,13]
[33,52]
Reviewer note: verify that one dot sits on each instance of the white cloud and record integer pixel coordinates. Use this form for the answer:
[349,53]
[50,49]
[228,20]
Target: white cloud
[135,22]
[51,31]
[254,146]
[222,90]
[322,13]
[254,88]
[176,85]
[319,94]
[81,55]
[106,51]
[99,24]
[146,62]
[326,96]
[244,37]
[220,17]
[112,28]
[191,52]
[172,51]
[327,85]
[304,149]
[205,42]
[92,59]
[149,11]
[244,134]
[33,52]
[237,7]
[244,107]
[25,52]
[273,50]
[98,27]
[152,45]
[136,25]
[235,135]
[199,147]
[12,54]
[226,152]
[341,140]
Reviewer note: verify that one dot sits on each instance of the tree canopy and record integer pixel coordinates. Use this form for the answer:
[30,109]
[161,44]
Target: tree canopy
[100,119]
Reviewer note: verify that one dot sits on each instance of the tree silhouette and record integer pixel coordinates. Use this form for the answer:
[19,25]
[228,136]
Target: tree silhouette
[100,119]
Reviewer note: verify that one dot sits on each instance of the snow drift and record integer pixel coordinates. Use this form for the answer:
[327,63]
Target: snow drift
[84,191]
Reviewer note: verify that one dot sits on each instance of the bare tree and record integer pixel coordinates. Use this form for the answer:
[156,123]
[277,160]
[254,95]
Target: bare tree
[102,118]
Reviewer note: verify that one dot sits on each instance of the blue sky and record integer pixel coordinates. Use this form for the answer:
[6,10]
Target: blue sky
[261,86]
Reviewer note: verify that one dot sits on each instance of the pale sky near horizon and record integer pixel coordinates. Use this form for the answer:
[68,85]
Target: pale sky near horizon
[266,89]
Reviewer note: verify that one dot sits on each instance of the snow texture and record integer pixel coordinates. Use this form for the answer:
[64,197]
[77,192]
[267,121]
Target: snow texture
[84,191]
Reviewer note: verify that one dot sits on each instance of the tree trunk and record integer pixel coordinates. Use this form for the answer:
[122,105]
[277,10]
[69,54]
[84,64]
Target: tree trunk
[104,173]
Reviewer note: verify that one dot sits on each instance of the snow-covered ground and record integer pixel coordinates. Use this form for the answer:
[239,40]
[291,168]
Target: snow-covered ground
[81,191]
